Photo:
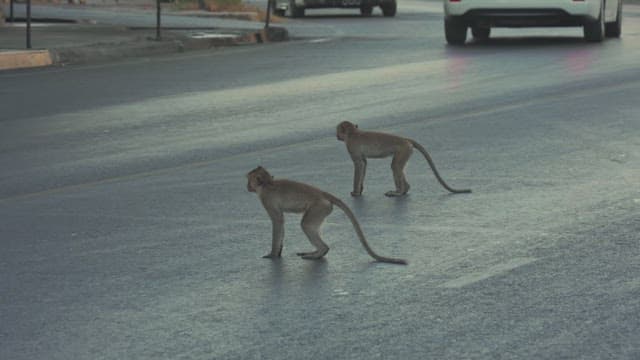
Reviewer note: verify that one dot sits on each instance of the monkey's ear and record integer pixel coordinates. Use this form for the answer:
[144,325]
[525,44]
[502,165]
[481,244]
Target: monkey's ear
[356,125]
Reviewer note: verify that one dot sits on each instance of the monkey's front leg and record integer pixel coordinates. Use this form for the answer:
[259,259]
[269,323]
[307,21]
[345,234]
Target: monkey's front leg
[360,169]
[277,239]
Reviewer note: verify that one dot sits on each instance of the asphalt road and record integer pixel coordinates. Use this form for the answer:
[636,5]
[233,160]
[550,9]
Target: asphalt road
[127,232]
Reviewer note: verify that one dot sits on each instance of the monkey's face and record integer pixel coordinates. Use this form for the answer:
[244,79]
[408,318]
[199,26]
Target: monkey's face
[253,181]
[257,178]
[250,187]
[344,128]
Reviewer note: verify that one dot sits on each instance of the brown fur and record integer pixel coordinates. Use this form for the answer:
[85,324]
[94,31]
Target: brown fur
[279,196]
[368,144]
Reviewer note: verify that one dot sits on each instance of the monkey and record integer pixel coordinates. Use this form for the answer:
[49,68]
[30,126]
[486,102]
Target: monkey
[282,195]
[368,144]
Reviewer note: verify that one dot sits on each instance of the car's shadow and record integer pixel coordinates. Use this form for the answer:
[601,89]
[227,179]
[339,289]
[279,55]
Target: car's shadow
[528,41]
[341,16]
[522,42]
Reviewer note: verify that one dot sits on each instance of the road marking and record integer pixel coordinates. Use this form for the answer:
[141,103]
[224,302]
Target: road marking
[317,41]
[205,35]
[495,270]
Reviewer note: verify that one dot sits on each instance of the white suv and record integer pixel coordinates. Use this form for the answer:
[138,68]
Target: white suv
[599,18]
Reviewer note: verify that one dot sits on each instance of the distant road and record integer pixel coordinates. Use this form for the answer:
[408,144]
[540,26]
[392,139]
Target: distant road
[126,230]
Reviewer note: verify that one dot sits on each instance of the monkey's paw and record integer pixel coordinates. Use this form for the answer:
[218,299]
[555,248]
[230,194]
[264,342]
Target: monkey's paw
[305,253]
[394,193]
[316,255]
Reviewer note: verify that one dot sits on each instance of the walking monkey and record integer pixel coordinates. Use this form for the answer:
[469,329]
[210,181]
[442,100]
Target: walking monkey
[279,196]
[368,144]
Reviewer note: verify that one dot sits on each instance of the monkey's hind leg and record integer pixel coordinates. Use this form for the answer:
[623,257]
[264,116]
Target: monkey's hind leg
[360,170]
[398,164]
[311,222]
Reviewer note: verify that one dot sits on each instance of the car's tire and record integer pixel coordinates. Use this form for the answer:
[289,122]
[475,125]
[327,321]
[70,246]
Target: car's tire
[366,10]
[594,30]
[294,11]
[455,31]
[481,33]
[389,9]
[614,29]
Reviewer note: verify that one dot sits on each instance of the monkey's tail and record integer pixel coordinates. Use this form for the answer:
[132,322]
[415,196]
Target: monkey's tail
[435,172]
[363,240]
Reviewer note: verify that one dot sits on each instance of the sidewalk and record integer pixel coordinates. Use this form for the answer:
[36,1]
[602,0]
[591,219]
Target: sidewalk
[62,40]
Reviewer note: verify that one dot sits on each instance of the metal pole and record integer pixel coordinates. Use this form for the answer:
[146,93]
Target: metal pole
[28,24]
[11,11]
[268,17]
[158,20]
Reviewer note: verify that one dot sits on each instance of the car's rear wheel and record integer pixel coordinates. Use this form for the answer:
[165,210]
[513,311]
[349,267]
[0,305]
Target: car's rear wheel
[594,30]
[455,31]
[481,33]
[366,10]
[614,29]
[389,9]
[294,11]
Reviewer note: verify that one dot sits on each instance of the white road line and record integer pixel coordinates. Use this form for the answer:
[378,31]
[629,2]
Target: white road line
[499,269]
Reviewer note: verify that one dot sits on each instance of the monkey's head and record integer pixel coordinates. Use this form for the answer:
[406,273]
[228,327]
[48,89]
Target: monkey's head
[345,129]
[258,178]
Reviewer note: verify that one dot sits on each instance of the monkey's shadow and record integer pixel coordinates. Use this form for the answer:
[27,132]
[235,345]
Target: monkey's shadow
[394,206]
[310,272]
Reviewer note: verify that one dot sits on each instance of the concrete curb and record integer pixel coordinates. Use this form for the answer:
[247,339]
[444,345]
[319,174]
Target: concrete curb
[24,59]
[104,52]
[173,44]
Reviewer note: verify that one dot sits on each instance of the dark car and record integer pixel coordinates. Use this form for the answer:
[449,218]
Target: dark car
[296,8]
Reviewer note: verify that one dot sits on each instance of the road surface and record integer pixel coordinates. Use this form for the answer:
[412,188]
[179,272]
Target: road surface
[127,231]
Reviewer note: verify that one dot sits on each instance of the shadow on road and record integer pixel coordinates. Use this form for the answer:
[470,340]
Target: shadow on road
[521,41]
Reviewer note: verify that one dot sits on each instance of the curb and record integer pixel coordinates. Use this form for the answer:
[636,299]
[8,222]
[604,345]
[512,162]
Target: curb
[24,59]
[100,53]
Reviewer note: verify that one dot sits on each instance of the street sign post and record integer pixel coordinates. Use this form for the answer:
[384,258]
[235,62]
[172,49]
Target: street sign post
[28,24]
[267,17]
[158,20]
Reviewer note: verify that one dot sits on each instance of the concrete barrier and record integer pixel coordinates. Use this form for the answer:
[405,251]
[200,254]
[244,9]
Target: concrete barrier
[24,59]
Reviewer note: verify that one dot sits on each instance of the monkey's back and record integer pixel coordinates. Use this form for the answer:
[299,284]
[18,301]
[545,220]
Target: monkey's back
[297,197]
[379,145]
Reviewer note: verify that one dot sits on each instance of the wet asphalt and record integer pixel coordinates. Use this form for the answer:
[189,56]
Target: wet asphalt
[127,230]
